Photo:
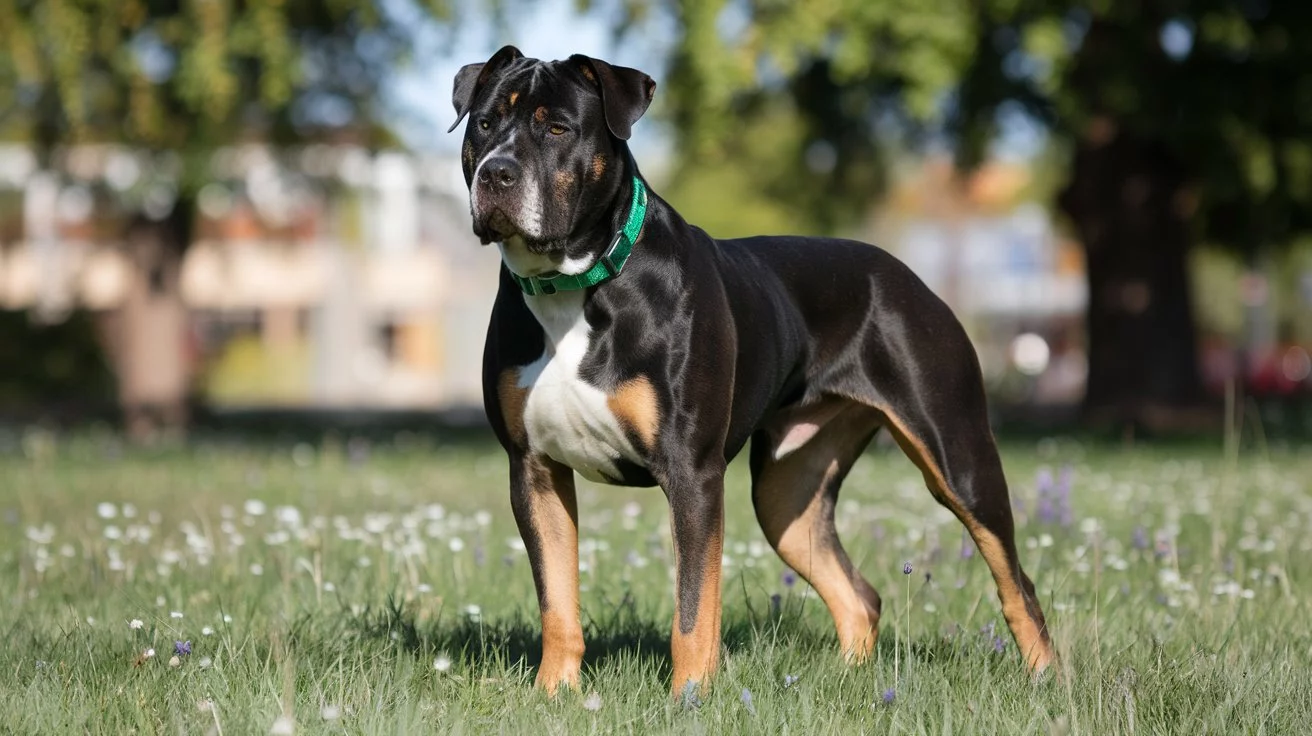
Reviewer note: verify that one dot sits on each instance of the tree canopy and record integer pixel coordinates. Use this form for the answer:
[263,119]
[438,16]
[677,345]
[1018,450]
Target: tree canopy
[190,75]
[1223,87]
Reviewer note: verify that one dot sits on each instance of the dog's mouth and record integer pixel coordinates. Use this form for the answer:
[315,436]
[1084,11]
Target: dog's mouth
[501,227]
[496,227]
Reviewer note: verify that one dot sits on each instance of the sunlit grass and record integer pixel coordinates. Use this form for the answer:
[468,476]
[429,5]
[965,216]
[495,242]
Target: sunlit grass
[339,587]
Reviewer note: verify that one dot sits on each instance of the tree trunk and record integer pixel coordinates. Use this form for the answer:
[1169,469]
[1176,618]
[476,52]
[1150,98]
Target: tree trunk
[1129,202]
[150,332]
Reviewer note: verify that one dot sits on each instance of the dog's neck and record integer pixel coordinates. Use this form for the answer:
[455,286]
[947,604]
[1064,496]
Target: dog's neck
[588,242]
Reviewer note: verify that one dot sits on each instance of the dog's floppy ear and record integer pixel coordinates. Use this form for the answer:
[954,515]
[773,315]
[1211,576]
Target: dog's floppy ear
[472,76]
[625,92]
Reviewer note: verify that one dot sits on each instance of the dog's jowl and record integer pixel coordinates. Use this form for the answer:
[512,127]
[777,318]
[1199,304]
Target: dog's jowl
[629,346]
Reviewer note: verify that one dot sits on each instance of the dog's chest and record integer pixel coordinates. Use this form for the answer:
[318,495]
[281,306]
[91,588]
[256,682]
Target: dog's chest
[569,419]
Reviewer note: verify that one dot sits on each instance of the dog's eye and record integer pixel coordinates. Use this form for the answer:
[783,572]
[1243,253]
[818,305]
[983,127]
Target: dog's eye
[484,124]
[557,130]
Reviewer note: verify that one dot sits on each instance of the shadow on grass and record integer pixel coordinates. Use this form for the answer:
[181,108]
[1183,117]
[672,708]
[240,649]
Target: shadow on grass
[624,636]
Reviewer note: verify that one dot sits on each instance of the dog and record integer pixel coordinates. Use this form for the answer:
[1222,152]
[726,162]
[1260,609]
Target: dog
[632,348]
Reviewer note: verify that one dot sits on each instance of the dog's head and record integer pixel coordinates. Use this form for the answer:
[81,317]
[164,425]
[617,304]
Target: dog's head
[543,138]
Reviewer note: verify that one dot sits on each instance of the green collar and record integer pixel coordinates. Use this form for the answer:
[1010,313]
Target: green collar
[607,267]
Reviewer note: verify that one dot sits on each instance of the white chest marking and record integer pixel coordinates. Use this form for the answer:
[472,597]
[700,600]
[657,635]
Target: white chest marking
[568,419]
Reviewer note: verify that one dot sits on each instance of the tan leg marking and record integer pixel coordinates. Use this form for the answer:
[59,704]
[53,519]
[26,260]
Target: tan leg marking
[512,398]
[634,403]
[553,511]
[696,654]
[1023,615]
[795,507]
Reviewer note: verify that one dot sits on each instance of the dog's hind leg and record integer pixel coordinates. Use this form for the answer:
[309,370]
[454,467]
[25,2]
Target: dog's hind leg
[794,489]
[960,462]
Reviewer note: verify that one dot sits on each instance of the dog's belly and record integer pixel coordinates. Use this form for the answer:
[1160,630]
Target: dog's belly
[565,417]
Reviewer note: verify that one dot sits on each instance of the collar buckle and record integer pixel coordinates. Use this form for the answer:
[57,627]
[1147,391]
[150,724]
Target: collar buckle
[612,269]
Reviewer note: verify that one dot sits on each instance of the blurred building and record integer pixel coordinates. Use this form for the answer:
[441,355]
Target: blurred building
[322,277]
[988,249]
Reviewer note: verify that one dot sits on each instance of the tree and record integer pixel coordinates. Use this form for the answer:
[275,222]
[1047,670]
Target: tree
[1186,121]
[1182,121]
[784,104]
[177,79]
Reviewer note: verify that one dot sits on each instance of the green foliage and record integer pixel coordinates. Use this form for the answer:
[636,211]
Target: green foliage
[790,93]
[57,363]
[1230,101]
[195,74]
[1235,107]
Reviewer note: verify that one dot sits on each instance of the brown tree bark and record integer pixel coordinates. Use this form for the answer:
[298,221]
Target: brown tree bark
[149,335]
[1129,202]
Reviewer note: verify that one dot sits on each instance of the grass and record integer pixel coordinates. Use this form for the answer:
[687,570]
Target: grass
[319,586]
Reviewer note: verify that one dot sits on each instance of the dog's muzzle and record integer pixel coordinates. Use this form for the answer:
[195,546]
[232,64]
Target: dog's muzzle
[497,199]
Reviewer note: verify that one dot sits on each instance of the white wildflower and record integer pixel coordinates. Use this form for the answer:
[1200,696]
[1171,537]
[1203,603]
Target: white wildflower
[284,726]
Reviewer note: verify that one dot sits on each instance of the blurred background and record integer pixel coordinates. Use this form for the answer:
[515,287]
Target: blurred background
[221,212]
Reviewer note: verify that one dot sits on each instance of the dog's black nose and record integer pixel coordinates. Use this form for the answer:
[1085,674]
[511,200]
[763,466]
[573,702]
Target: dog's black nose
[500,172]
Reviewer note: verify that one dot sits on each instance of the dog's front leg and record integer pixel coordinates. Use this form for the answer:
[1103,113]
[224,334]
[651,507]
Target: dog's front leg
[697,522]
[542,496]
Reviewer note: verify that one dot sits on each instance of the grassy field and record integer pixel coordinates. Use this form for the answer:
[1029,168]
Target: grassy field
[346,588]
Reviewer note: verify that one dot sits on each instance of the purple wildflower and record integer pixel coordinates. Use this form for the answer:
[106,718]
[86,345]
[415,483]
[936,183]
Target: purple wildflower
[889,695]
[1062,495]
[999,644]
[747,701]
[182,648]
[790,680]
[906,568]
[967,547]
[1047,514]
[789,578]
[1140,540]
[776,605]
[1047,511]
[1043,481]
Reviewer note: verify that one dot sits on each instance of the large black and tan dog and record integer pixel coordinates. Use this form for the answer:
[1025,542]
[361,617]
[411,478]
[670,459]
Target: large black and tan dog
[631,347]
